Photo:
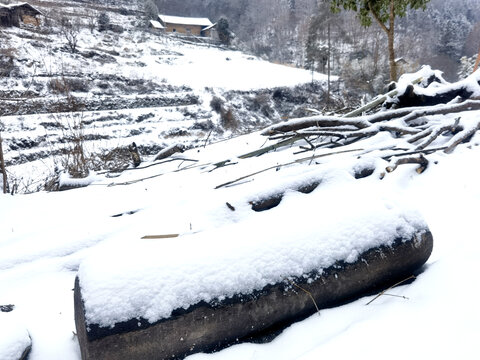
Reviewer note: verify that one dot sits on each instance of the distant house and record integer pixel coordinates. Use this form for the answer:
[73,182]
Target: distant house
[155,25]
[187,25]
[14,14]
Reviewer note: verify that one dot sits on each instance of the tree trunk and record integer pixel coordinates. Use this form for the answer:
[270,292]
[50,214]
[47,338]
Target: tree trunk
[391,43]
[390,31]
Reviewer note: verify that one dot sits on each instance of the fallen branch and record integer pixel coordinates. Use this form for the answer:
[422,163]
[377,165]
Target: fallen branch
[421,160]
[425,152]
[166,236]
[377,101]
[468,105]
[310,158]
[436,132]
[460,138]
[410,114]
[169,151]
[420,135]
[268,148]
[314,121]
[391,287]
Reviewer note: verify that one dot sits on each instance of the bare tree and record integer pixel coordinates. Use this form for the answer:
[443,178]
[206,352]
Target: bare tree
[70,30]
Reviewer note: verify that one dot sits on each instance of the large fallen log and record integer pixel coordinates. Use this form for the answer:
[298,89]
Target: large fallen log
[211,326]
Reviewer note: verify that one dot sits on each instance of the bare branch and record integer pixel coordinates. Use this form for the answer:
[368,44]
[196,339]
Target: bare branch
[460,138]
[314,121]
[436,132]
[421,160]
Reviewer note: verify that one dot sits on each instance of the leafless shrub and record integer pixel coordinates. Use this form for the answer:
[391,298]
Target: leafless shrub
[70,30]
[228,119]
[7,56]
[75,160]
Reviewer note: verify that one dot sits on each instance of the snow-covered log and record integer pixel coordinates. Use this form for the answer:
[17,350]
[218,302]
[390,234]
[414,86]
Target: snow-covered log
[434,91]
[169,151]
[203,325]
[15,341]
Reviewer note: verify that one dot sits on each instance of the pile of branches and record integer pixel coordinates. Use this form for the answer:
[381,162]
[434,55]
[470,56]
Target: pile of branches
[411,124]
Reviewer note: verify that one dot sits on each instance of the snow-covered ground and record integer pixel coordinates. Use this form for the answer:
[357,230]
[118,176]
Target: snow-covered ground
[129,84]
[45,238]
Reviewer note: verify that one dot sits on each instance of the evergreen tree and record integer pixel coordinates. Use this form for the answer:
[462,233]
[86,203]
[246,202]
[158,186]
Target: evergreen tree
[316,53]
[150,10]
[223,30]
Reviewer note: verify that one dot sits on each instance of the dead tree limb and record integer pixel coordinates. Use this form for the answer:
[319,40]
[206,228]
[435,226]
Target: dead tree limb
[420,135]
[468,105]
[377,101]
[309,158]
[421,160]
[436,132]
[269,148]
[412,113]
[461,137]
[314,121]
[169,151]
[424,152]
[413,277]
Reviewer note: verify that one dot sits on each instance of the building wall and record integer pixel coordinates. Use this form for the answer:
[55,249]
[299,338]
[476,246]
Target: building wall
[27,19]
[12,17]
[184,29]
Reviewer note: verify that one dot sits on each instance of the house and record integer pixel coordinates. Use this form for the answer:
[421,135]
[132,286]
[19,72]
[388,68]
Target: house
[155,25]
[14,14]
[187,25]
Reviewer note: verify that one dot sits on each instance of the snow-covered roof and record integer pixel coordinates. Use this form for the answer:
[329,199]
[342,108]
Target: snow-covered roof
[156,24]
[13,6]
[185,20]
[209,27]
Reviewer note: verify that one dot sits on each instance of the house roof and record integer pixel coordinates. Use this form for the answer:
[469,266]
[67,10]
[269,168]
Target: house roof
[185,20]
[210,27]
[156,25]
[24,4]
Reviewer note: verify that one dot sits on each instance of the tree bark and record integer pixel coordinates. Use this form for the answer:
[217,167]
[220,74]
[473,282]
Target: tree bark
[390,31]
[391,43]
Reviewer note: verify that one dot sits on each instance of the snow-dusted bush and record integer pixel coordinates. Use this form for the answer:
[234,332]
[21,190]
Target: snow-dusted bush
[466,66]
[217,104]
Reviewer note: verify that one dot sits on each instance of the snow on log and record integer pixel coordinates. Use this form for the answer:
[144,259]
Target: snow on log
[231,284]
[435,91]
[15,341]
[169,151]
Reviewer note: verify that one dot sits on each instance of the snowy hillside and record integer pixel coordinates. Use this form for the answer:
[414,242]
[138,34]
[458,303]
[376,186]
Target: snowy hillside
[209,195]
[127,81]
